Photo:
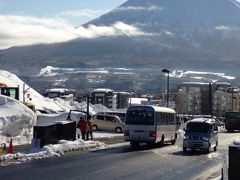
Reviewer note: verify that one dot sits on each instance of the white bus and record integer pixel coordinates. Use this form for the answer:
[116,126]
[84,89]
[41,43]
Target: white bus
[150,124]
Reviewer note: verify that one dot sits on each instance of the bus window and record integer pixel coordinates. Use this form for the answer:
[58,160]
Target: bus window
[158,118]
[140,117]
[171,119]
[164,118]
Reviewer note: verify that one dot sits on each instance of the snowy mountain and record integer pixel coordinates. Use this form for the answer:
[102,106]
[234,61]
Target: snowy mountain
[184,13]
[187,34]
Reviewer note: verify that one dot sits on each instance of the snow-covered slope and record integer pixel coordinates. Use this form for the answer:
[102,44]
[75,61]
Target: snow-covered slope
[30,95]
[183,13]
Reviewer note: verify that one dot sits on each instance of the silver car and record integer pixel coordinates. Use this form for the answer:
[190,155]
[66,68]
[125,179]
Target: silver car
[107,122]
[201,133]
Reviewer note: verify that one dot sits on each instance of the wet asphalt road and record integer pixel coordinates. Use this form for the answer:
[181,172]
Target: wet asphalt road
[123,162]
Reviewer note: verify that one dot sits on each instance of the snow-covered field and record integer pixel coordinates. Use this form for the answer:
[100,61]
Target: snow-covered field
[17,121]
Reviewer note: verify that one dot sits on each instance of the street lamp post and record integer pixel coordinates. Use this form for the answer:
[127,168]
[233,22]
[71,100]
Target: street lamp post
[167,72]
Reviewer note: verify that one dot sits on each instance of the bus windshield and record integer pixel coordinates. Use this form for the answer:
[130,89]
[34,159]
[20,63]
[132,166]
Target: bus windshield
[140,117]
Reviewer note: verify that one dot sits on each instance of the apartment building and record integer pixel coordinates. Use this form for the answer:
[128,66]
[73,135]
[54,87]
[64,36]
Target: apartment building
[103,96]
[109,98]
[207,98]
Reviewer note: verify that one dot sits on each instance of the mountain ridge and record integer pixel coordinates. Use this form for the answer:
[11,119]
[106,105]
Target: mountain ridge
[187,34]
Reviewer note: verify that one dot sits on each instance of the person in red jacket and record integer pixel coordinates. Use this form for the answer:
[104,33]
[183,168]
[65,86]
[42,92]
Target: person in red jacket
[82,125]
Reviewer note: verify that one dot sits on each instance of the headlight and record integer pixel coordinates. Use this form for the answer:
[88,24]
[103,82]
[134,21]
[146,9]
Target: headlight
[186,137]
[205,138]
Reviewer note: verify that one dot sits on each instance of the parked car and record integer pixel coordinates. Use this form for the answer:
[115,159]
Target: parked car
[107,122]
[201,133]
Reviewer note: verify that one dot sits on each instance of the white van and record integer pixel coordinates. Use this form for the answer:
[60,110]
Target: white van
[150,124]
[201,133]
[107,122]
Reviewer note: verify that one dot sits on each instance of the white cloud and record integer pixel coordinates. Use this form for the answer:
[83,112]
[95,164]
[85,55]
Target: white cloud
[117,29]
[169,33]
[83,13]
[222,28]
[236,2]
[26,30]
[139,8]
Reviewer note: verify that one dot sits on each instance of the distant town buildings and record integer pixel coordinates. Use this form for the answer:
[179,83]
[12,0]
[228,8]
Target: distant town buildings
[194,98]
[207,98]
[116,100]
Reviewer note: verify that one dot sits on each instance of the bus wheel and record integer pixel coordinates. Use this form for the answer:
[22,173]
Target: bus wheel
[162,141]
[95,128]
[174,140]
[150,144]
[118,130]
[134,144]
[184,149]
[209,148]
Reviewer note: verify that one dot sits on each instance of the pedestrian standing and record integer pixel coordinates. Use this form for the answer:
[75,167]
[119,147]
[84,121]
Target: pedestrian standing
[89,129]
[78,128]
[82,125]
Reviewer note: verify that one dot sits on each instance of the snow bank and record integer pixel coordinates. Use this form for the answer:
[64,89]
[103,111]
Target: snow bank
[48,118]
[55,150]
[16,121]
[93,109]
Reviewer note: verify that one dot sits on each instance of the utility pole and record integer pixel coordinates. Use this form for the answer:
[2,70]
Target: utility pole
[210,98]
[131,93]
[24,92]
[167,72]
[87,106]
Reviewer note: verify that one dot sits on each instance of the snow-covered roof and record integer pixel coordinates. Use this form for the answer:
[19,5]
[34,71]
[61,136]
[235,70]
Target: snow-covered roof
[102,90]
[194,83]
[156,108]
[202,120]
[223,83]
[61,90]
[123,93]
[135,101]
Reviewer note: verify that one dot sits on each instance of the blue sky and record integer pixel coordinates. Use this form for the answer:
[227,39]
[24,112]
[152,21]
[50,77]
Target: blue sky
[75,11]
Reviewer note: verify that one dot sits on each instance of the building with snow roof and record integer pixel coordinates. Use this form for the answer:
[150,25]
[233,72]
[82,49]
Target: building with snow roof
[103,96]
[109,98]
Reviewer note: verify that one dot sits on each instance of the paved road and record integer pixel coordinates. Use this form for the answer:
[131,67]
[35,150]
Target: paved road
[123,162]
